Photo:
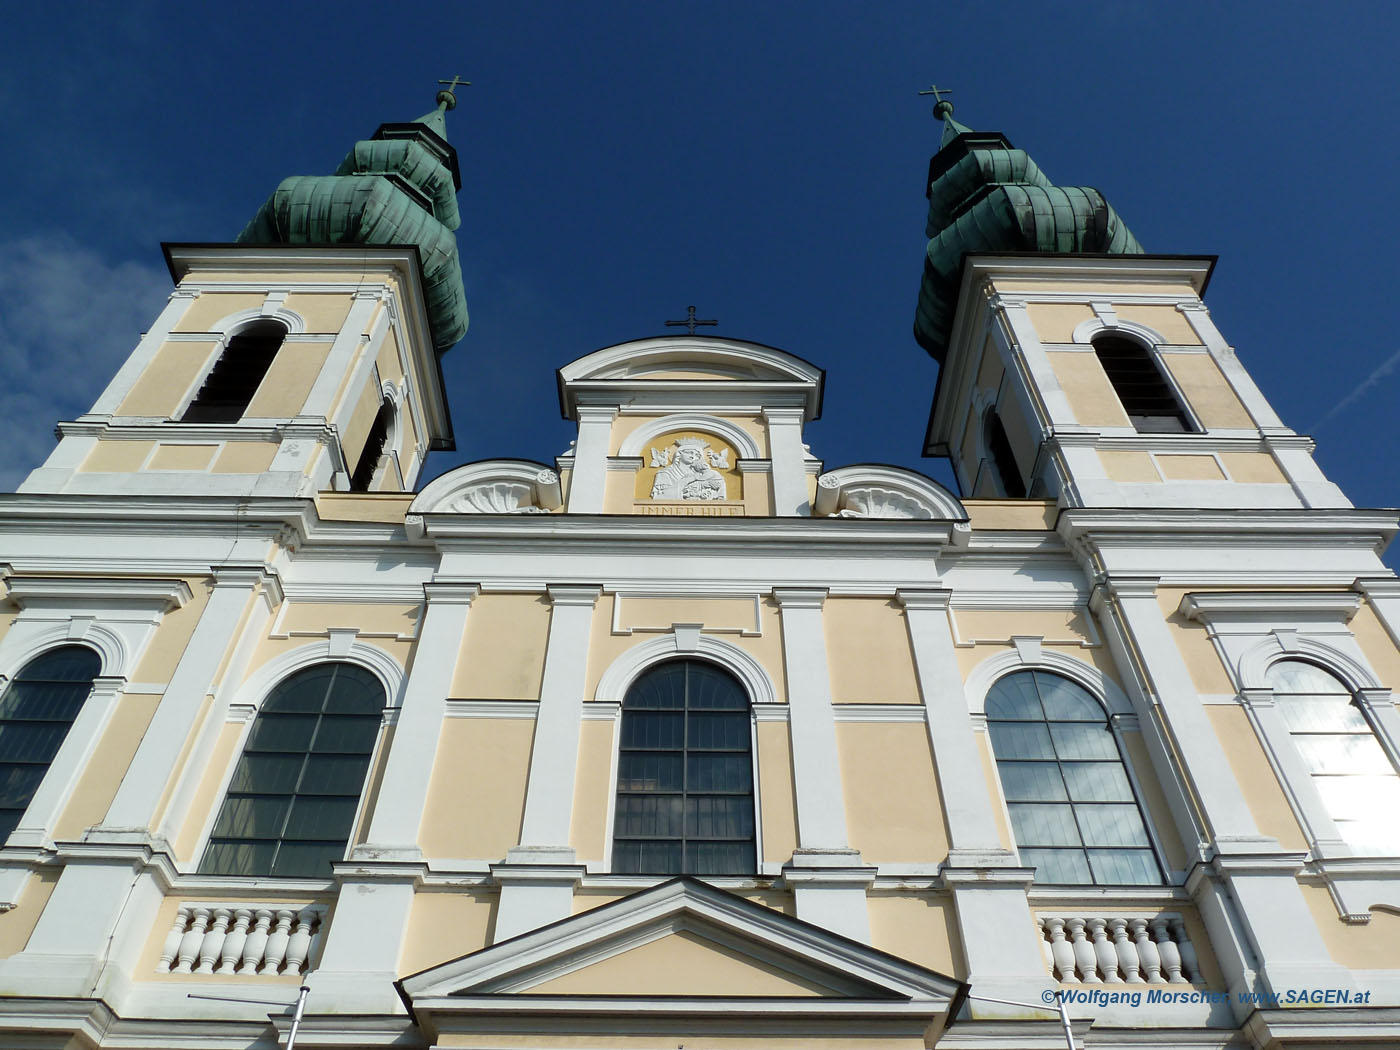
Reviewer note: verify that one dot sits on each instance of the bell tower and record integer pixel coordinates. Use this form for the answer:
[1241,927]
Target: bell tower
[304,356]
[1076,367]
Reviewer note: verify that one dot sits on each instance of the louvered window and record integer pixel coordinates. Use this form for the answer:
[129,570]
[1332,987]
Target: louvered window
[685,775]
[1002,458]
[229,387]
[1143,390]
[293,797]
[36,713]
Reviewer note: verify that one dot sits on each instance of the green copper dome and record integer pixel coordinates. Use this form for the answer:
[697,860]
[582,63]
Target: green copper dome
[398,187]
[985,196]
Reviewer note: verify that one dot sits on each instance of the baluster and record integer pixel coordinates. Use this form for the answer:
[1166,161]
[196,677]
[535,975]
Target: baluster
[213,945]
[1147,951]
[299,946]
[1126,951]
[233,943]
[193,939]
[1104,952]
[256,942]
[1062,953]
[1190,965]
[1084,958]
[276,948]
[171,948]
[1171,958]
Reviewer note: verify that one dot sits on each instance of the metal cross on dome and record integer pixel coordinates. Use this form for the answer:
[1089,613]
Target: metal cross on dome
[451,90]
[690,323]
[941,106]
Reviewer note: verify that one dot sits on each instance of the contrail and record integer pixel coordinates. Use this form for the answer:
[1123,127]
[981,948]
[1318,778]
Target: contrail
[1386,367]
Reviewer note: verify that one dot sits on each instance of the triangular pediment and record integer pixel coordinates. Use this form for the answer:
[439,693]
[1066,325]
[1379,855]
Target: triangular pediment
[680,940]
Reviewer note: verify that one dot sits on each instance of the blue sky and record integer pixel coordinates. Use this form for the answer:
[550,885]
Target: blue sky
[762,161]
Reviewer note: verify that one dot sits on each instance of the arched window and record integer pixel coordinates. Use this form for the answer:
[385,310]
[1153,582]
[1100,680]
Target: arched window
[685,774]
[1137,379]
[1351,771]
[231,383]
[1003,460]
[293,797]
[36,713]
[1073,811]
[373,450]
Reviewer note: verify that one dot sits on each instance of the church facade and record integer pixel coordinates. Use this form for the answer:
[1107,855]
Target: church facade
[688,738]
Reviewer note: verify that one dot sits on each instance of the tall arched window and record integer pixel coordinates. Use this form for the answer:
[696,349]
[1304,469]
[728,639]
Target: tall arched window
[36,713]
[1351,771]
[1137,379]
[292,800]
[1073,811]
[1003,460]
[229,387]
[685,774]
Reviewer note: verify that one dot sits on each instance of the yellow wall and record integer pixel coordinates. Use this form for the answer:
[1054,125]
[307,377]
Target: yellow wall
[920,929]
[99,781]
[212,307]
[1064,626]
[1189,468]
[161,388]
[476,796]
[176,627]
[443,926]
[625,425]
[18,923]
[285,388]
[1154,799]
[387,507]
[321,311]
[1008,514]
[503,652]
[1056,322]
[207,796]
[1376,644]
[1370,947]
[893,806]
[316,618]
[173,456]
[1090,395]
[593,786]
[1253,468]
[1202,661]
[245,457]
[1170,322]
[110,455]
[1256,778]
[1207,390]
[1129,467]
[352,440]
[776,798]
[868,652]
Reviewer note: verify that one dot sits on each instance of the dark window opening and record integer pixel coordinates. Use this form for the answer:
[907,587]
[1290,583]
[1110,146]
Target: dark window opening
[1144,392]
[231,383]
[291,805]
[36,713]
[1003,459]
[685,775]
[373,451]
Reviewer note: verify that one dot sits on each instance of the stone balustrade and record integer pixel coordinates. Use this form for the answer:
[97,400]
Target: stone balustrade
[242,940]
[1119,949]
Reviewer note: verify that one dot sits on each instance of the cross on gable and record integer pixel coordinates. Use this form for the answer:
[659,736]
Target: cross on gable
[690,323]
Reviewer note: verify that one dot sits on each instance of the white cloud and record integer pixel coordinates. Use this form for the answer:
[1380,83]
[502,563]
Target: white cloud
[68,318]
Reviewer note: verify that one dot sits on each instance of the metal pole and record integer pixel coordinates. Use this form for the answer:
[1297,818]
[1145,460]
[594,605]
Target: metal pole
[303,991]
[1059,1007]
[1064,1017]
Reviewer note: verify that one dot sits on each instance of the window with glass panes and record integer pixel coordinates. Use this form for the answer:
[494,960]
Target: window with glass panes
[685,774]
[293,797]
[1349,768]
[36,713]
[1073,811]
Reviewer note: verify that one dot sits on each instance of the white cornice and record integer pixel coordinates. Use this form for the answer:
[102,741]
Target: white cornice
[1273,606]
[161,595]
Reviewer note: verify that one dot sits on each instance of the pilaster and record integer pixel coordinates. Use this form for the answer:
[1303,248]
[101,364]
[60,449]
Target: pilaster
[590,461]
[789,462]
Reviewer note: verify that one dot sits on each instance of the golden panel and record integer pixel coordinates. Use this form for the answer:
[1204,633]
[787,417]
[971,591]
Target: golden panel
[182,457]
[894,811]
[868,652]
[681,964]
[18,923]
[1257,781]
[503,652]
[1016,515]
[1129,467]
[729,476]
[1207,391]
[920,929]
[245,457]
[388,507]
[212,307]
[161,388]
[207,795]
[1056,322]
[443,926]
[776,798]
[116,457]
[321,311]
[1062,626]
[480,769]
[1170,322]
[284,390]
[1258,468]
[1369,947]
[593,785]
[104,771]
[1090,395]
[1189,468]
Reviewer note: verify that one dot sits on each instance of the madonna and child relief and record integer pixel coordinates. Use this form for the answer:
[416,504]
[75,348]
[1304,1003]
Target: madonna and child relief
[689,469]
